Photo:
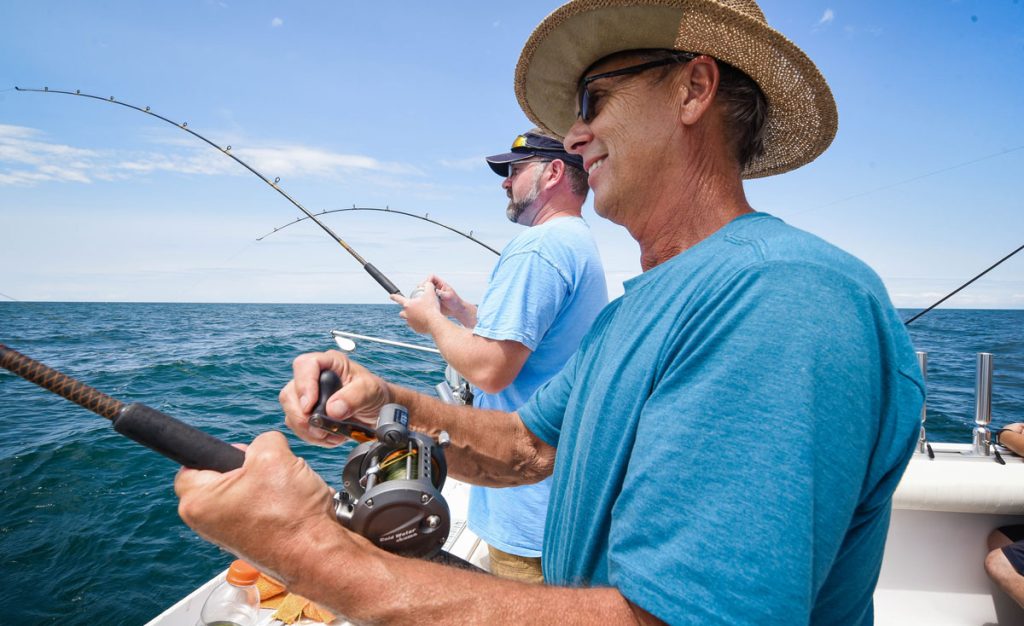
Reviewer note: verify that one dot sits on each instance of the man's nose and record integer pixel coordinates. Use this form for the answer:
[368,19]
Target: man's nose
[577,138]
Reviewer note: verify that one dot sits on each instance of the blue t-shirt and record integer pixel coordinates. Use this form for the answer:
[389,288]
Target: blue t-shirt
[545,292]
[730,433]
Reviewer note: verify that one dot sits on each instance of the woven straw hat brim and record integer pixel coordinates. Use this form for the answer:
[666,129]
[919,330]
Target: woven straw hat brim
[802,117]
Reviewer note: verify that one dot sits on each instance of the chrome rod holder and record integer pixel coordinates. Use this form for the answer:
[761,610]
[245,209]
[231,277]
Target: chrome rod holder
[922,440]
[982,438]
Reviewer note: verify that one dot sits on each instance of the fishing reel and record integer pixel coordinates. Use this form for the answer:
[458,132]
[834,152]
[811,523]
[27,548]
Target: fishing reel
[392,480]
[392,488]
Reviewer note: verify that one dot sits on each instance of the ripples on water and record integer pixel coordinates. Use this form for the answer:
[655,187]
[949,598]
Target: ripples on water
[89,532]
[952,340]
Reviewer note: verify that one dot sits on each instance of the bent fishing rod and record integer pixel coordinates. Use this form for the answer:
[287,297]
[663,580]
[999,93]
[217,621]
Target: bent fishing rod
[961,287]
[425,218]
[376,274]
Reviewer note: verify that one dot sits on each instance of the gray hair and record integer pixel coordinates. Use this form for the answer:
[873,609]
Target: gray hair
[579,180]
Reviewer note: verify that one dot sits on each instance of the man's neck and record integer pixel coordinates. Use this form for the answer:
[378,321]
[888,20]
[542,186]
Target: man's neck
[683,219]
[552,211]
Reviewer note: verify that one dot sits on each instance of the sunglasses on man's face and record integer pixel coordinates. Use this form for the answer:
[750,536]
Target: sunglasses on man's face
[520,166]
[587,102]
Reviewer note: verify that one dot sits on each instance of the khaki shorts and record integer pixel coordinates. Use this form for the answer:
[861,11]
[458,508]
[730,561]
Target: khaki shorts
[513,567]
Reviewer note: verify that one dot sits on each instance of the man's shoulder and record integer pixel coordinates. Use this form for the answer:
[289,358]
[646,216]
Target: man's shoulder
[556,233]
[762,241]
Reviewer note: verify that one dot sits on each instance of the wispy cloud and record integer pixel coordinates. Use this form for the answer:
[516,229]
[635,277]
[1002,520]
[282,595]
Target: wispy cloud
[827,18]
[294,160]
[27,158]
[276,22]
[467,164]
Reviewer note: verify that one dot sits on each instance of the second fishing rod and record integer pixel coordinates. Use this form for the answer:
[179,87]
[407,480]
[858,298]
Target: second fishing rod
[370,269]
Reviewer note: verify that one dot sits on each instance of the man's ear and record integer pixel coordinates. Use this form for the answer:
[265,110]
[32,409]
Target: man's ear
[557,169]
[698,84]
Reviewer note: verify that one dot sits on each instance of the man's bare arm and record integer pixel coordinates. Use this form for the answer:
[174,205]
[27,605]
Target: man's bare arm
[423,592]
[490,364]
[489,448]
[277,513]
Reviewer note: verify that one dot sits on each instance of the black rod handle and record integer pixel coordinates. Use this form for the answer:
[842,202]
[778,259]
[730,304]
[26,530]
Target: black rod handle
[176,440]
[381,279]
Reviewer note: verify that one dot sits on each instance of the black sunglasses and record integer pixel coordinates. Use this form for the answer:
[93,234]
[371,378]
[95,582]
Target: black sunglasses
[586,101]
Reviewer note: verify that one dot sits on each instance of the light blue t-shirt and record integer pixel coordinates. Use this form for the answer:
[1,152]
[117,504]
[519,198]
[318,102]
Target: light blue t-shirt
[545,292]
[730,433]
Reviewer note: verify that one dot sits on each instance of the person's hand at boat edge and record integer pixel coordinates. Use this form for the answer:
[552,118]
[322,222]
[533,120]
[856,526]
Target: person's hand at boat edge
[1012,436]
[360,398]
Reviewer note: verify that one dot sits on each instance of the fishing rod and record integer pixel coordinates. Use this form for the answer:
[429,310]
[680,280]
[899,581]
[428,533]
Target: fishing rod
[377,275]
[408,494]
[961,287]
[157,431]
[425,218]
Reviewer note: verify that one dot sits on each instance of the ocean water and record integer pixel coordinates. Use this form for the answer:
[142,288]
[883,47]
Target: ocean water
[89,532]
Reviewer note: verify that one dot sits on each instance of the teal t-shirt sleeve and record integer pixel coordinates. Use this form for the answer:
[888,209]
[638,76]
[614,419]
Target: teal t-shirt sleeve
[738,440]
[544,411]
[523,299]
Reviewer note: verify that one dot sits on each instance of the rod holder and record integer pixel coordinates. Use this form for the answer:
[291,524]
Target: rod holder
[982,438]
[922,440]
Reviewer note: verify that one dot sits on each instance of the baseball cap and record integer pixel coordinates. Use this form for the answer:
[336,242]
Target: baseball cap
[533,144]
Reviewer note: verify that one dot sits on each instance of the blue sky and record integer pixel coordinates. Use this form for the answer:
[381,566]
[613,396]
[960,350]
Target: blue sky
[395,104]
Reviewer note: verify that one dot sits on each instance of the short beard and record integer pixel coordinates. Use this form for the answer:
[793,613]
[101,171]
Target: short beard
[516,208]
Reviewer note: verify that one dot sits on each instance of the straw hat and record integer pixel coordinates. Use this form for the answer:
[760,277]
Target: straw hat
[802,116]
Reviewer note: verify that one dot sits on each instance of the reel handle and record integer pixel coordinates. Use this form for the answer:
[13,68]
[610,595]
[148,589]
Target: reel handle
[329,385]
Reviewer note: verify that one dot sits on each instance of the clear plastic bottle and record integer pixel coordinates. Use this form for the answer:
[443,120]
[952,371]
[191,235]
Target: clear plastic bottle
[236,601]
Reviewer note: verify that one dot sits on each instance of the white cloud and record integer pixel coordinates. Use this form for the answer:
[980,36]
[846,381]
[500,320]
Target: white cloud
[26,159]
[467,164]
[276,22]
[827,18]
[301,160]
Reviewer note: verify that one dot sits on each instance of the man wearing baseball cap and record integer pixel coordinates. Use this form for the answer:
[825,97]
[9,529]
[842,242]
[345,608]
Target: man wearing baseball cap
[542,296]
[725,443]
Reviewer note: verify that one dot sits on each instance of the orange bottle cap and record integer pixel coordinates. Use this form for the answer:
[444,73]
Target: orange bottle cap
[241,573]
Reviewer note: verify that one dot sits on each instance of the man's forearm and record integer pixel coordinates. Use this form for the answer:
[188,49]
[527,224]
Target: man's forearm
[467,315]
[490,448]
[367,585]
[488,364]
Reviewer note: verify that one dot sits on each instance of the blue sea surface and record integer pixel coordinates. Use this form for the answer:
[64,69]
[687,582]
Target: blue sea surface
[89,531]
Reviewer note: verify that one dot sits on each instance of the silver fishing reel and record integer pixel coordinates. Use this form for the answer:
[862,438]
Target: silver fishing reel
[392,488]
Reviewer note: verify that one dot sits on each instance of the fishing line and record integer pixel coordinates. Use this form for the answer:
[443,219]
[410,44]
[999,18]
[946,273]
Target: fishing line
[425,218]
[910,180]
[376,274]
[957,290]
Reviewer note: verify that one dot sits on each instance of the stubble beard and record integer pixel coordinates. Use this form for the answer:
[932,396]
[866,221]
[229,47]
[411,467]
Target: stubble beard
[516,208]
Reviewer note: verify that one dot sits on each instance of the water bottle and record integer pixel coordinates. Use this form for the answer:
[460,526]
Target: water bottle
[236,601]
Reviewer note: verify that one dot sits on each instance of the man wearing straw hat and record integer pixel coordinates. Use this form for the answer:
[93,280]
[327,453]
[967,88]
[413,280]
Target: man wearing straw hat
[725,444]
